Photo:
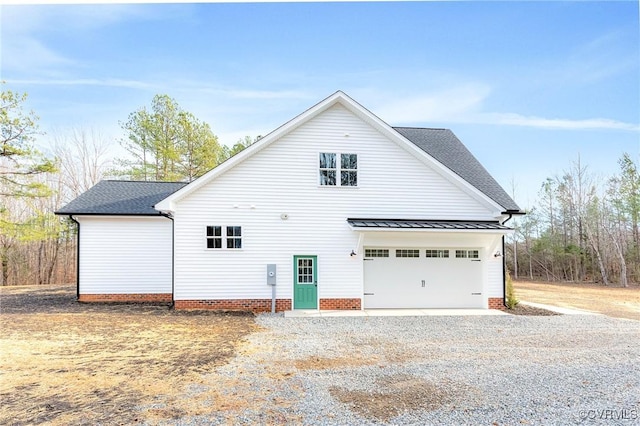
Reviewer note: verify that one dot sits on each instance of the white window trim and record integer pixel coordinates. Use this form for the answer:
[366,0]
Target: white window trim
[223,238]
[338,169]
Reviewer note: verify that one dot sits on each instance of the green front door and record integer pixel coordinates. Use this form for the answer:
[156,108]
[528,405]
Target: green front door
[305,282]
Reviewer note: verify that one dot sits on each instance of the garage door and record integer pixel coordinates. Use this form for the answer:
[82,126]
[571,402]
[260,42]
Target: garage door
[422,278]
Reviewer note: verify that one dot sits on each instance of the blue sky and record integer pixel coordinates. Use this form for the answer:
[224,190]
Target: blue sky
[527,86]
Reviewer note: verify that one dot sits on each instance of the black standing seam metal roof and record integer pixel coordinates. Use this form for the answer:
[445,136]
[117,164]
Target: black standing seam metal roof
[120,197]
[444,146]
[426,224]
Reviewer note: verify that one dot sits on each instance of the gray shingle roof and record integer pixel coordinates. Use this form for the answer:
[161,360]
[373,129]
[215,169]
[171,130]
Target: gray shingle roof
[116,197]
[445,147]
[119,197]
[426,224]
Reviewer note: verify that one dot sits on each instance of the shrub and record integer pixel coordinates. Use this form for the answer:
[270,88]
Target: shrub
[512,300]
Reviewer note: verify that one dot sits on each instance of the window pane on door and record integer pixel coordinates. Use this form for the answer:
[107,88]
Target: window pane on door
[305,271]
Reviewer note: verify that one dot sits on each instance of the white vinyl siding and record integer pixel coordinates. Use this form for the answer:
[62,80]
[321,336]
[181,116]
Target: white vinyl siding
[495,284]
[282,181]
[122,255]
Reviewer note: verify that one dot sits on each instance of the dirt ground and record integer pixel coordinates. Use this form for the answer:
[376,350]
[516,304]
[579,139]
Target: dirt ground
[521,309]
[68,363]
[397,394]
[612,301]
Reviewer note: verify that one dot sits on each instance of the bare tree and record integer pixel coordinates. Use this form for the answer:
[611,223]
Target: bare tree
[84,158]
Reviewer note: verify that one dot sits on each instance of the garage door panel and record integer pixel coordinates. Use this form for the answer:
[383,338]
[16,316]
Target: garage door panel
[422,282]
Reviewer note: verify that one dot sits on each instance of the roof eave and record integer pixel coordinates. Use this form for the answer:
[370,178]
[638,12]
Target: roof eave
[502,230]
[158,214]
[431,230]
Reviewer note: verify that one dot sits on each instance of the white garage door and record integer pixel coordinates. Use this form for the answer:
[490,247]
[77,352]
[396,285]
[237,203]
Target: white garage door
[422,278]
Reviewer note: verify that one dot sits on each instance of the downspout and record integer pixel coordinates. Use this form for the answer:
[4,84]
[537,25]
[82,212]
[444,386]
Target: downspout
[77,259]
[173,260]
[504,268]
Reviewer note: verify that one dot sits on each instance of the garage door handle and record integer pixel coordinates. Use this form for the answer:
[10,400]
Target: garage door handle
[423,283]
[369,294]
[476,260]
[476,294]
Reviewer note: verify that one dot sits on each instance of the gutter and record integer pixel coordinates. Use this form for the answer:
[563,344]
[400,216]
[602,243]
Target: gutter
[173,260]
[504,266]
[77,259]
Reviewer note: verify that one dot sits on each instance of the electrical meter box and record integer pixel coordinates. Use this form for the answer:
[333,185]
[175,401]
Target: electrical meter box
[271,274]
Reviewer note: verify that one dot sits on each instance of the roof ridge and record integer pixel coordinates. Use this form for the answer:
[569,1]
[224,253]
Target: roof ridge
[141,181]
[420,128]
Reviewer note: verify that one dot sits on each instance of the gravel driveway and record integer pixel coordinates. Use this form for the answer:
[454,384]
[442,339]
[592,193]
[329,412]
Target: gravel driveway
[502,370]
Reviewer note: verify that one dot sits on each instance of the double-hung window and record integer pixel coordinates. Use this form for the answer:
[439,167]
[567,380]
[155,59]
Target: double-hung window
[328,168]
[338,169]
[232,235]
[214,237]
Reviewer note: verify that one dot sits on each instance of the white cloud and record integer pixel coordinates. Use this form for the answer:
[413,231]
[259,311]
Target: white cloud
[603,57]
[448,105]
[73,17]
[26,54]
[255,94]
[556,123]
[109,82]
[463,104]
[27,32]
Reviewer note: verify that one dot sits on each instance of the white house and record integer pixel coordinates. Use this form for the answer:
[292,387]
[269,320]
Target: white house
[337,208]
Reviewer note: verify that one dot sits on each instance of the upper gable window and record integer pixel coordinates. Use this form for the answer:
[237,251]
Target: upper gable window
[342,172]
[328,168]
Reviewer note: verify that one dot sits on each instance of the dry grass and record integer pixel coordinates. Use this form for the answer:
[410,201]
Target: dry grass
[613,301]
[69,363]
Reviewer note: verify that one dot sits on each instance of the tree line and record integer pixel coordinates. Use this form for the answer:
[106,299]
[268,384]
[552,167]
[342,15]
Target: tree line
[582,228]
[163,143]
